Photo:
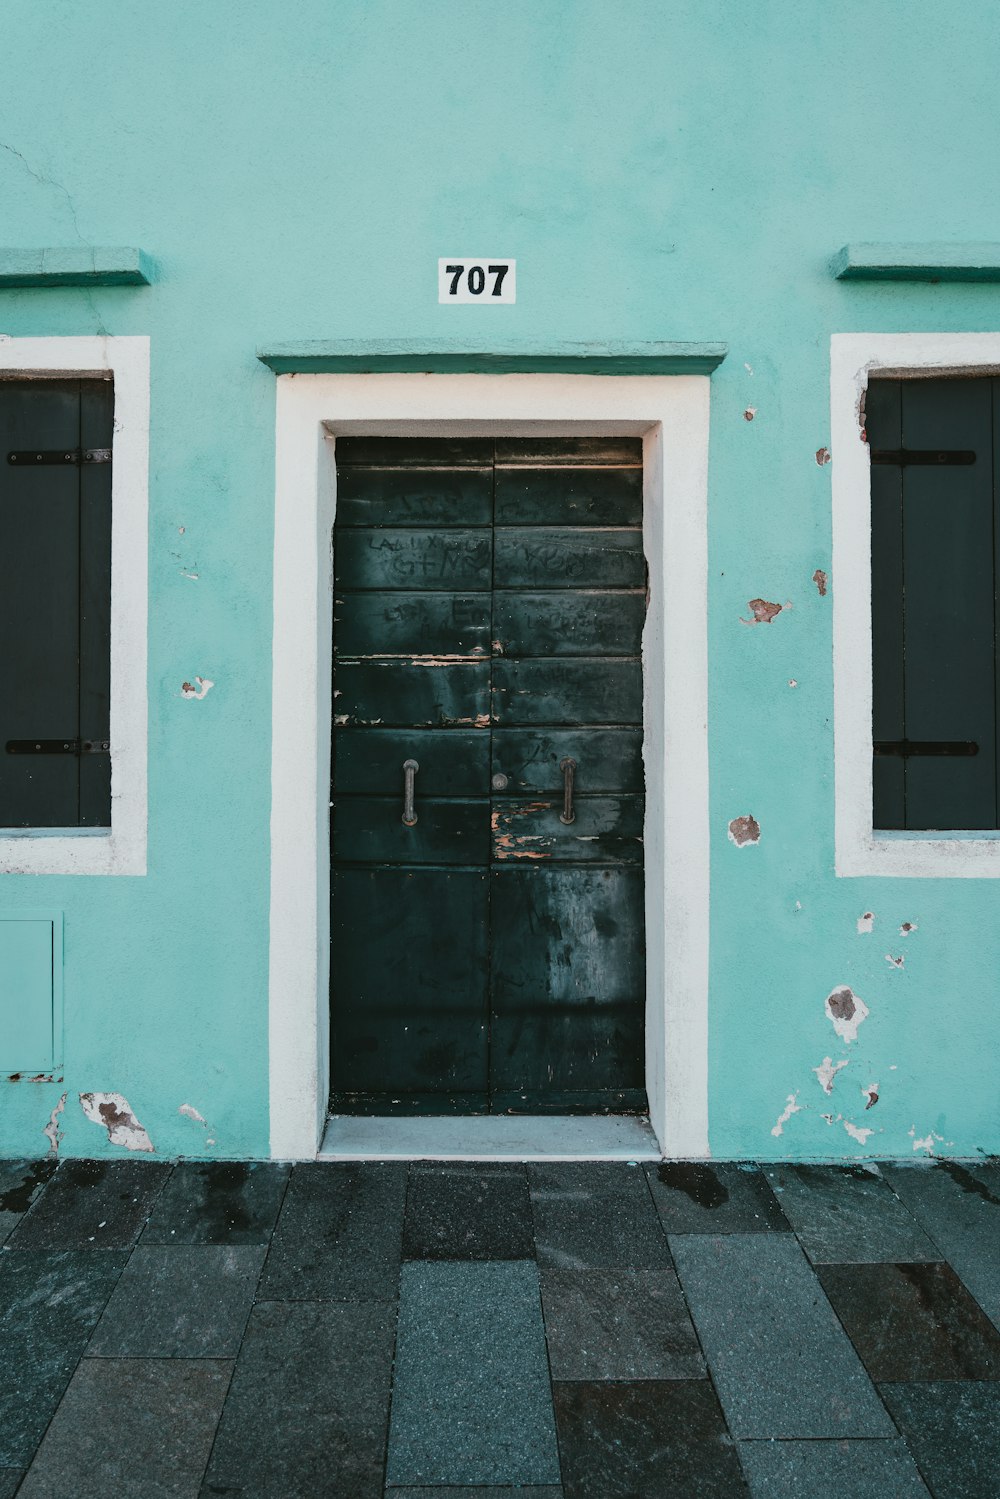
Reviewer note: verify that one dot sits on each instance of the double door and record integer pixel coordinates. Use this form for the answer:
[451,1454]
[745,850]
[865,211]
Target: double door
[487,799]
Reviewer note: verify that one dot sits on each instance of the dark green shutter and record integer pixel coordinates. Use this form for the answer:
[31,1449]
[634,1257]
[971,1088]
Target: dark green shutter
[55,599]
[933,603]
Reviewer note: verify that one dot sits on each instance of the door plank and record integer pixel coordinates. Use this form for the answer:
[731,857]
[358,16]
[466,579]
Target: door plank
[567,691]
[453,762]
[414,497]
[423,559]
[569,497]
[451,694]
[562,623]
[607,760]
[411,624]
[557,557]
[370,830]
[606,830]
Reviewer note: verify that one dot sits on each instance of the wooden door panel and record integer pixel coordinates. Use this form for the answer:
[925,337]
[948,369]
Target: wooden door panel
[453,762]
[449,695]
[450,560]
[568,497]
[414,497]
[443,453]
[412,624]
[606,830]
[370,830]
[548,691]
[566,452]
[563,623]
[553,557]
[607,760]
[568,988]
[409,1001]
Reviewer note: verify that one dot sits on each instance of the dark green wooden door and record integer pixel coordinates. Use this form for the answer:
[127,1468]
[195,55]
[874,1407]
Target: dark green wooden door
[489,604]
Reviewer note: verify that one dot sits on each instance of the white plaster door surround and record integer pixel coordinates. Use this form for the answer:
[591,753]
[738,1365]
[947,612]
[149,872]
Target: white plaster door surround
[671,414]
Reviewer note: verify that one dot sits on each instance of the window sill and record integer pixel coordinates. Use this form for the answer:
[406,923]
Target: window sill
[928,854]
[99,851]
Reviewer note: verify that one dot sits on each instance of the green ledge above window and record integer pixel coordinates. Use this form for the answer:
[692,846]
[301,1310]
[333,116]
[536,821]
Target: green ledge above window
[79,265]
[917,262]
[454,356]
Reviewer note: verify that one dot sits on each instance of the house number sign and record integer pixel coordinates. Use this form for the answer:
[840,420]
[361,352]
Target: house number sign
[487,279]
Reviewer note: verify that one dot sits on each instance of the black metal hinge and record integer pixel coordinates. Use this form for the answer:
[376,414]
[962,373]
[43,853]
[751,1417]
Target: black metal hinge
[32,458]
[58,747]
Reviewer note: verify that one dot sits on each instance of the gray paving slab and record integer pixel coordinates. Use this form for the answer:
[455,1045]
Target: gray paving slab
[92,1205]
[50,1304]
[191,1301]
[218,1202]
[913,1321]
[338,1235]
[718,1197]
[548,1492]
[467,1210]
[831,1470]
[594,1216]
[959,1207]
[20,1183]
[309,1404]
[471,1400]
[952,1429]
[848,1215]
[619,1324]
[9,1480]
[136,1427]
[782,1363]
[645,1441]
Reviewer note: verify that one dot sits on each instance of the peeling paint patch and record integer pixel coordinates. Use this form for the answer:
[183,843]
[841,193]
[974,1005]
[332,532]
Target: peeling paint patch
[791,1107]
[896,962]
[820,579]
[907,928]
[792,682]
[823,456]
[927,1143]
[204,687]
[865,922]
[744,830]
[763,611]
[750,413]
[846,1010]
[871,1094]
[52,1132]
[190,1112]
[115,1112]
[192,576]
[827,1071]
[856,1132]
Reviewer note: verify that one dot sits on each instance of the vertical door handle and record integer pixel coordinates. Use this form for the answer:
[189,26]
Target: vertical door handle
[410,768]
[568,768]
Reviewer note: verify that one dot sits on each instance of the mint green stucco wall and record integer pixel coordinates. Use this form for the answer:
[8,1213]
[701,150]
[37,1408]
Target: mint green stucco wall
[677,169]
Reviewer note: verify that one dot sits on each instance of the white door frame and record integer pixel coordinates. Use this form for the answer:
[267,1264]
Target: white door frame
[671,414]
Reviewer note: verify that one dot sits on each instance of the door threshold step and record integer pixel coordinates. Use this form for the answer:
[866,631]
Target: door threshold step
[490,1137]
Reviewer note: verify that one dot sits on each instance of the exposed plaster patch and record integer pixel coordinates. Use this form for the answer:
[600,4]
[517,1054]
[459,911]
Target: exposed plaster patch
[896,962]
[871,1094]
[792,682]
[820,579]
[907,928]
[846,1010]
[791,1107]
[763,611]
[822,456]
[927,1143]
[52,1131]
[865,922]
[856,1132]
[744,830]
[827,1071]
[190,1112]
[192,576]
[115,1113]
[750,413]
[203,688]
[748,368]
[181,530]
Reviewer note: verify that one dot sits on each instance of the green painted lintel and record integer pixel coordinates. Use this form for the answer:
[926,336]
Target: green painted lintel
[78,265]
[922,262]
[452,356]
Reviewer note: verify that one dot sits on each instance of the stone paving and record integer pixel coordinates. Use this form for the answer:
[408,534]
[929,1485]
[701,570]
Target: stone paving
[428,1331]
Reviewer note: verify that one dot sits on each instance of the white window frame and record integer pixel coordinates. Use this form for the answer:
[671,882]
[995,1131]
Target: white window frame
[860,850]
[671,413]
[120,849]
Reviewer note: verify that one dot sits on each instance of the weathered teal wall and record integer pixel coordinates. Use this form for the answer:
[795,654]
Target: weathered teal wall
[679,169]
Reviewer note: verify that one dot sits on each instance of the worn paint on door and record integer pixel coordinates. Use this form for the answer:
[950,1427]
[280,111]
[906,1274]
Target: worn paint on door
[489,603]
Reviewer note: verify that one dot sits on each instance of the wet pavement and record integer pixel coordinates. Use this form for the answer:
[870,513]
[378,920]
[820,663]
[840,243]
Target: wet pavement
[556,1331]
